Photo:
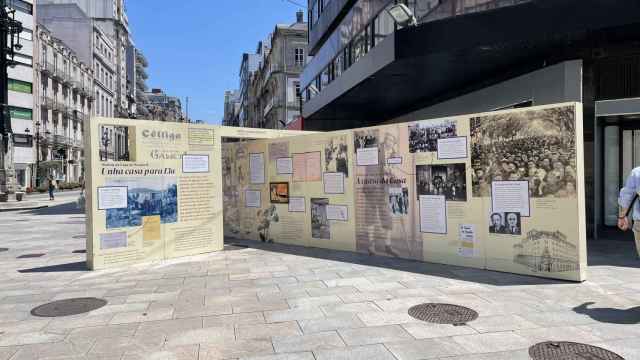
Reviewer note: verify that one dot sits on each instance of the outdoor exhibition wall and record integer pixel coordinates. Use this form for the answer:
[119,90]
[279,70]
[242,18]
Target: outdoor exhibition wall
[153,189]
[500,190]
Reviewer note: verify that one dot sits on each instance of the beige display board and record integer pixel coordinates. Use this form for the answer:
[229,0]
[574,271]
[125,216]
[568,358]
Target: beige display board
[501,190]
[154,189]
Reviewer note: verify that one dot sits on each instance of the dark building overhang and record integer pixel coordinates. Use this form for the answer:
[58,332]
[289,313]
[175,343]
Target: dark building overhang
[423,65]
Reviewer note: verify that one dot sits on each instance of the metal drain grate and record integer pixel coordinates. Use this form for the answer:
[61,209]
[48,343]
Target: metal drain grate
[4,249]
[68,307]
[29,256]
[79,251]
[443,313]
[563,350]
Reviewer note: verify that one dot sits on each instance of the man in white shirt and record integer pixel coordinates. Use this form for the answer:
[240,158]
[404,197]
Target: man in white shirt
[628,198]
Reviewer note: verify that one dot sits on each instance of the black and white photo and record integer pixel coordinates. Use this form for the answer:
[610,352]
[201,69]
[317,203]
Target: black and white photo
[336,158]
[424,135]
[320,226]
[399,201]
[537,146]
[114,143]
[365,139]
[508,223]
[448,180]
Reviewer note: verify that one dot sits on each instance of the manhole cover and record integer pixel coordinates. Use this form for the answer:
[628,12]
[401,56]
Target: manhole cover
[443,313]
[68,307]
[563,350]
[79,251]
[4,249]
[29,256]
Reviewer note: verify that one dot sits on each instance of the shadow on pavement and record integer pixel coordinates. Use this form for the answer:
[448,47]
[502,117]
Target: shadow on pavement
[453,272]
[62,209]
[75,266]
[610,315]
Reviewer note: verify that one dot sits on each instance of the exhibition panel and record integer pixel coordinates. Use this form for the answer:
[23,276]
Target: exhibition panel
[153,189]
[501,190]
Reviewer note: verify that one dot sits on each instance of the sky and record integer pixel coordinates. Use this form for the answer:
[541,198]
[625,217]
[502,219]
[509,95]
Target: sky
[194,47]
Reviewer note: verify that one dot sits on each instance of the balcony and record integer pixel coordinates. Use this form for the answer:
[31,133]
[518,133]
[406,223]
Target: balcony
[46,68]
[56,73]
[76,85]
[274,103]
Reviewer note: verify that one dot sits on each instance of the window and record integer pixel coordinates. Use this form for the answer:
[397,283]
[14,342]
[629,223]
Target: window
[22,6]
[325,77]
[299,56]
[26,34]
[23,59]
[296,85]
[20,113]
[20,86]
[23,140]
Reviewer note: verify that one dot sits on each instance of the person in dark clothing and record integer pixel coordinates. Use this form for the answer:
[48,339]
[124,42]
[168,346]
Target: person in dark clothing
[52,187]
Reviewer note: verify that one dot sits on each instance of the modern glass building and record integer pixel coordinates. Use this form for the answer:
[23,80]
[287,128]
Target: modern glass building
[467,56]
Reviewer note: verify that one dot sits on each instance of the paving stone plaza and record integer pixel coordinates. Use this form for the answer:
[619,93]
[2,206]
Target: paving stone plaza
[269,301]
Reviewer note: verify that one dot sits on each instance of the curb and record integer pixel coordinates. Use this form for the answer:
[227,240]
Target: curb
[25,208]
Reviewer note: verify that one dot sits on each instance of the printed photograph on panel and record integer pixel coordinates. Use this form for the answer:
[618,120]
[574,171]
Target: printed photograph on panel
[505,223]
[424,135]
[148,196]
[114,143]
[546,252]
[336,158]
[537,146]
[279,192]
[449,180]
[399,201]
[365,139]
[320,226]
[265,218]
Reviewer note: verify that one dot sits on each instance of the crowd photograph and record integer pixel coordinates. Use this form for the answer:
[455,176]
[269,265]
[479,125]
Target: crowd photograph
[535,146]
[423,136]
[448,180]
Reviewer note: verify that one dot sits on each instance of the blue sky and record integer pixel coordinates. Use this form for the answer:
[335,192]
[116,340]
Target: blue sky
[194,47]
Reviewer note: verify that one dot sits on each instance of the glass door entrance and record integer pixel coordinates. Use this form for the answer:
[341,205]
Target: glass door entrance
[621,155]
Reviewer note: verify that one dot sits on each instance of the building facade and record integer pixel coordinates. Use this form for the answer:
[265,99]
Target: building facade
[248,67]
[20,157]
[231,108]
[111,17]
[469,56]
[276,83]
[71,25]
[163,107]
[64,100]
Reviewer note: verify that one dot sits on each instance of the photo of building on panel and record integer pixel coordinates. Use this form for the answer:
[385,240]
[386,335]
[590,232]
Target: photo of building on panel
[115,143]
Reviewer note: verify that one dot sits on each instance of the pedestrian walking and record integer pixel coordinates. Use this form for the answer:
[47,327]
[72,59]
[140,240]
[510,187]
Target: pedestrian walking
[627,201]
[52,187]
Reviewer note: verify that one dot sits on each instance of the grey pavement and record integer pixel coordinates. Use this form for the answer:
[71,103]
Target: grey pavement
[37,200]
[275,302]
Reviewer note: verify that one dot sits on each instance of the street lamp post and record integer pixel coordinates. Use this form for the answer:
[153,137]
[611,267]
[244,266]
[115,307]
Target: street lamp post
[38,138]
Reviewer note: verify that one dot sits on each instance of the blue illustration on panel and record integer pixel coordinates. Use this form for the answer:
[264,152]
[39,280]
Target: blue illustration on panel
[147,197]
